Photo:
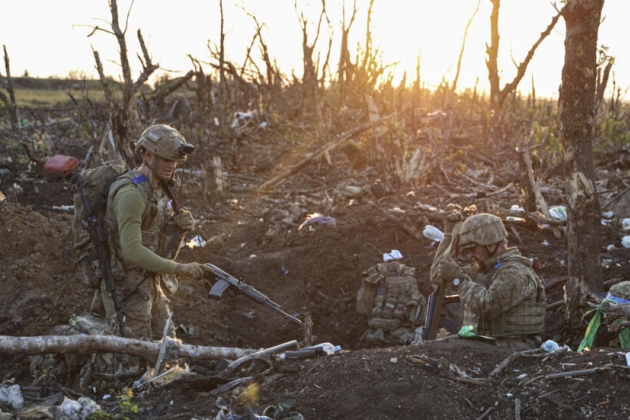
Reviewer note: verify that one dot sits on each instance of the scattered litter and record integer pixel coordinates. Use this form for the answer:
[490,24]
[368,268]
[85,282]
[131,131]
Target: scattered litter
[515,219]
[518,208]
[195,242]
[78,410]
[284,270]
[397,211]
[545,243]
[394,360]
[628,358]
[522,376]
[393,255]
[608,214]
[63,208]
[11,395]
[610,247]
[625,224]
[241,118]
[322,349]
[317,218]
[433,233]
[550,346]
[427,207]
[558,212]
[625,242]
[606,262]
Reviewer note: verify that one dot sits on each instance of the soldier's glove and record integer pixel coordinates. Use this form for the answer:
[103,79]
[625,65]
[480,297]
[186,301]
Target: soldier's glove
[184,220]
[194,270]
[448,270]
[451,220]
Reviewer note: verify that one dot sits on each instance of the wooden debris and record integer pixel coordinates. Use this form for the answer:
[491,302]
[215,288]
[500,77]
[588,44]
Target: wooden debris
[319,152]
[445,368]
[257,355]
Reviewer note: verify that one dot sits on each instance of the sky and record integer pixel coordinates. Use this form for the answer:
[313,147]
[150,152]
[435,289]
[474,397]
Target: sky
[50,38]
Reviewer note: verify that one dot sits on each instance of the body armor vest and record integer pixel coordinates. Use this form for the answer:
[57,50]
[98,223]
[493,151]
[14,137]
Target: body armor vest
[156,223]
[526,318]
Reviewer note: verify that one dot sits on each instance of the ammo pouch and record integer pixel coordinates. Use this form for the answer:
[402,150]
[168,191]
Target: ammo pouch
[90,268]
[389,297]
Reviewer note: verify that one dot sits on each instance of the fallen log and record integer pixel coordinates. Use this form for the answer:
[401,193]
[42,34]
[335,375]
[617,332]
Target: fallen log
[86,344]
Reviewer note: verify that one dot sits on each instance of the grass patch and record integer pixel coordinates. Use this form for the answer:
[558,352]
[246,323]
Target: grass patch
[42,98]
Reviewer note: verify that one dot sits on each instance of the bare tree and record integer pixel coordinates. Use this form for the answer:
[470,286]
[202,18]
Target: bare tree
[461,52]
[121,119]
[498,95]
[9,102]
[577,100]
[310,101]
[345,67]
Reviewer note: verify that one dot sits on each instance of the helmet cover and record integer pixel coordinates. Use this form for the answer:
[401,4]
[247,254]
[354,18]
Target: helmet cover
[165,142]
[481,229]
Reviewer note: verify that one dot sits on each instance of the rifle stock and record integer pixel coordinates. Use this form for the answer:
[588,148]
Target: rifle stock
[225,282]
[434,318]
[98,239]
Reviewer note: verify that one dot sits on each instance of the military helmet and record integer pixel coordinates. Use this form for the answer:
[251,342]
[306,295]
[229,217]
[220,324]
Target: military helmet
[481,229]
[165,142]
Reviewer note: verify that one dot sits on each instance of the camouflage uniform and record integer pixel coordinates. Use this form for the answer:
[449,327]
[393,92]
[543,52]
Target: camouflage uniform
[513,303]
[143,301]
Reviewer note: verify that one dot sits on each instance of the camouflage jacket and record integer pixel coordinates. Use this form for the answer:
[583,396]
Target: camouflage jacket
[513,303]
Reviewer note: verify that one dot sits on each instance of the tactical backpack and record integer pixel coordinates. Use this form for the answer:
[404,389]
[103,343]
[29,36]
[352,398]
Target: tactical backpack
[390,298]
[96,183]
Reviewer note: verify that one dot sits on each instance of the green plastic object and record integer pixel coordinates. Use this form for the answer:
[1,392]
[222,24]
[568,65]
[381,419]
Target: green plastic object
[466,332]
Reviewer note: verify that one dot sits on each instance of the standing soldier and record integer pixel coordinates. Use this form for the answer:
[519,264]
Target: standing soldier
[145,235]
[502,295]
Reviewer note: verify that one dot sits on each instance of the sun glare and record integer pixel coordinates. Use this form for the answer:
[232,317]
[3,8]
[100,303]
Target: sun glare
[401,30]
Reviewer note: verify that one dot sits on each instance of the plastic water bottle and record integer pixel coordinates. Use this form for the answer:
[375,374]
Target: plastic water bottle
[433,233]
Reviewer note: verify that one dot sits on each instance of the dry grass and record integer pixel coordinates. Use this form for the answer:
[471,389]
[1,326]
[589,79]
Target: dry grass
[41,98]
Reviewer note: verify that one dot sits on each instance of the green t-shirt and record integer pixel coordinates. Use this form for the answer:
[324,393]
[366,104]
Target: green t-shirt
[128,209]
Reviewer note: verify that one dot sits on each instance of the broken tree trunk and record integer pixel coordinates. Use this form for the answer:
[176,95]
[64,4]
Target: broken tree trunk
[86,344]
[325,148]
[12,108]
[577,97]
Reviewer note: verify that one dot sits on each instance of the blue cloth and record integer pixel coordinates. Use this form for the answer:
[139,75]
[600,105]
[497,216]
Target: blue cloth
[616,299]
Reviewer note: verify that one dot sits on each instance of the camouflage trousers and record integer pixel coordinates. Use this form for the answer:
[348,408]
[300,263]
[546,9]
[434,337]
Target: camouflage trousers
[144,307]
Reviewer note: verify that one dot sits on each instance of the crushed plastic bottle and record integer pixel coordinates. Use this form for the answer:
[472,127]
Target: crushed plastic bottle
[550,346]
[433,233]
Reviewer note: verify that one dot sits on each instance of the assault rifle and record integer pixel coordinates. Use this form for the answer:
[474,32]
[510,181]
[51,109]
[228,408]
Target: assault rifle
[177,231]
[225,282]
[183,150]
[434,318]
[97,236]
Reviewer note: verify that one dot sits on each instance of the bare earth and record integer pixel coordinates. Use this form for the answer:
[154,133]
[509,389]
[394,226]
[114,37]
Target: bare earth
[316,269]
